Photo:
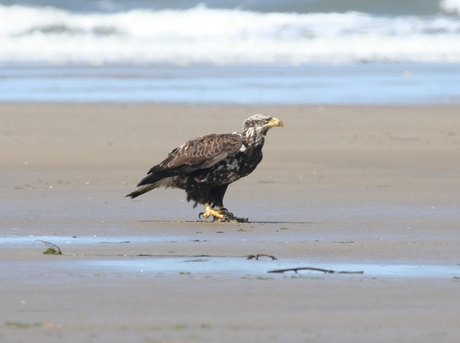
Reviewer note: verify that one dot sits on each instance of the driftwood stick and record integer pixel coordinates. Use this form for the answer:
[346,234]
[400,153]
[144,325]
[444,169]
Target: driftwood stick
[256,256]
[326,271]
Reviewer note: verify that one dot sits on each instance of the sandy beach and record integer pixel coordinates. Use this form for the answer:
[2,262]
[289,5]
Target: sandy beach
[355,188]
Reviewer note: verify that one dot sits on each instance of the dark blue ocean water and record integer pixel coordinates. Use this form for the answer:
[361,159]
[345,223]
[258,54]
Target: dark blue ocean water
[376,7]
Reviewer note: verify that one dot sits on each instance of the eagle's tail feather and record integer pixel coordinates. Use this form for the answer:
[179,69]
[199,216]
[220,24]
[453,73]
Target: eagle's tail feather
[151,178]
[141,190]
[146,187]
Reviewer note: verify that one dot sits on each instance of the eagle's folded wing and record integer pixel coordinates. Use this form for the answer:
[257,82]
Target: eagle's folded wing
[199,153]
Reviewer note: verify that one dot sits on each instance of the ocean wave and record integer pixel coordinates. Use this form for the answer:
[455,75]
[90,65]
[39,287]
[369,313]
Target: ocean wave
[452,6]
[223,36]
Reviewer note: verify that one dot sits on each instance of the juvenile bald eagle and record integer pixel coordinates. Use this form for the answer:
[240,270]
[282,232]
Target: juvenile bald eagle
[205,166]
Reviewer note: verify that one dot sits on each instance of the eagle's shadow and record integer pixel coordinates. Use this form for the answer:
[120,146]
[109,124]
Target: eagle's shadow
[217,222]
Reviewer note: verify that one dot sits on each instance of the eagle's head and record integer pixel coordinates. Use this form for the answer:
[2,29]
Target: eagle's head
[256,127]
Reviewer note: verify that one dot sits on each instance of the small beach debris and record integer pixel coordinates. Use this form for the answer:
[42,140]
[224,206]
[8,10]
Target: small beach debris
[326,271]
[20,325]
[256,256]
[53,249]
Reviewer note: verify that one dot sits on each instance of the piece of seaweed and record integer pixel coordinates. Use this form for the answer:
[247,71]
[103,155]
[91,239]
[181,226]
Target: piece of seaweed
[53,249]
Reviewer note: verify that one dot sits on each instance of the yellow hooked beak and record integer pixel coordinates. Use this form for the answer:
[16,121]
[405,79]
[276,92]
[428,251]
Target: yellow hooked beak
[275,122]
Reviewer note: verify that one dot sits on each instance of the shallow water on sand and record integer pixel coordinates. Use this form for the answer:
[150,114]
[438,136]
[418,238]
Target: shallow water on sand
[203,265]
[213,265]
[13,240]
[375,83]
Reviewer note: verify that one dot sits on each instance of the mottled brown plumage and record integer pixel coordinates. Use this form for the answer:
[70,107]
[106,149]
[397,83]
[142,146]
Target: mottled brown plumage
[205,166]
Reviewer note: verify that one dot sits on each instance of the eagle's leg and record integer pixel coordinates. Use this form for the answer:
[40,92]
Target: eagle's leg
[216,197]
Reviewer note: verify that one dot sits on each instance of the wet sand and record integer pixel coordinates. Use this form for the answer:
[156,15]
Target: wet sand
[354,188]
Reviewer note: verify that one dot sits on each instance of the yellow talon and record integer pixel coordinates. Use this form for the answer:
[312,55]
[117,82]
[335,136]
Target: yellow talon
[209,211]
[221,214]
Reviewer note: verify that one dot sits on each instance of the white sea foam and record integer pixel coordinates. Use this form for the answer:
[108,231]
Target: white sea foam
[221,36]
[450,5]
